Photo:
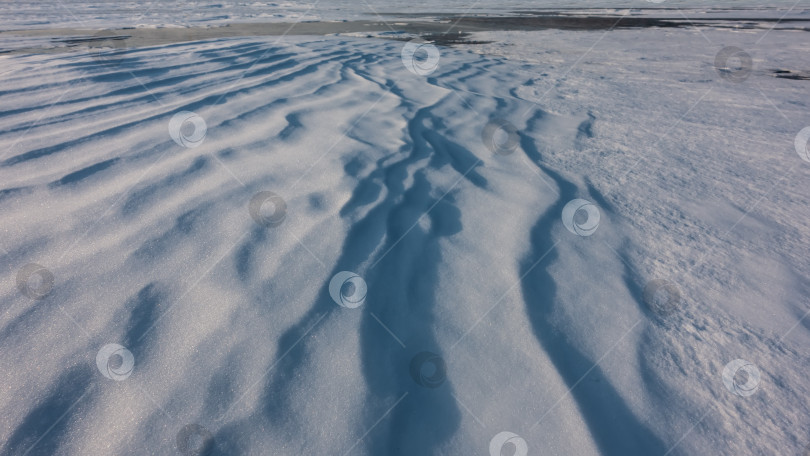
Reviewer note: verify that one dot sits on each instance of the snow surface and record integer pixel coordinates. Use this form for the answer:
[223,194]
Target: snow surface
[28,14]
[543,333]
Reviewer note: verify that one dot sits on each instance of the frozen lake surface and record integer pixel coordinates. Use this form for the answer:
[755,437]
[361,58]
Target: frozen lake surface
[186,13]
[223,236]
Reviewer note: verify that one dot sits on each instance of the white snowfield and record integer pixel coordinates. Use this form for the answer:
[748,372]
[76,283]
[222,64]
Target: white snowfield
[169,311]
[38,14]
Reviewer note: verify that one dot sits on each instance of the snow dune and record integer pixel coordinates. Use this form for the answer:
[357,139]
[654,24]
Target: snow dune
[484,313]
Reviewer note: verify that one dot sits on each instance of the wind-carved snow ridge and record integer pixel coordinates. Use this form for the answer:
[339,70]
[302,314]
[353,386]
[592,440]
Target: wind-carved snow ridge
[303,245]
